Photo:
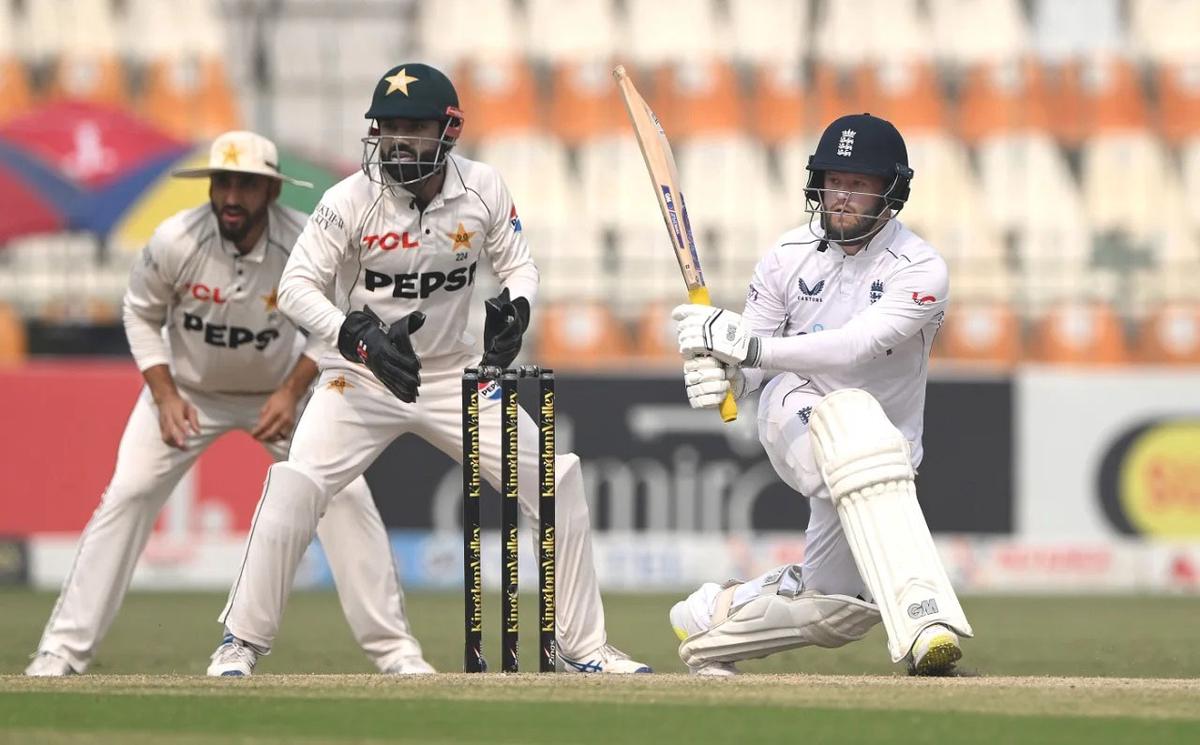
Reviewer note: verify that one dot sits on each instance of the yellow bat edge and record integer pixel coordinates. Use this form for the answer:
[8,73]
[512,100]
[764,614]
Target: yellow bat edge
[652,142]
[728,409]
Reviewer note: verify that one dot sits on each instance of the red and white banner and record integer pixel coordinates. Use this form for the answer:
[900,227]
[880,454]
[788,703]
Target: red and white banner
[58,445]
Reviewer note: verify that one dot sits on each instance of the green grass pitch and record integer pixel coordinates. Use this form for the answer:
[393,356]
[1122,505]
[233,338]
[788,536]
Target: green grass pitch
[1089,670]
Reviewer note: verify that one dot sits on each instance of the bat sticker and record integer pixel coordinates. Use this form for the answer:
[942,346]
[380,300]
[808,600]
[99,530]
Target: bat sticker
[666,190]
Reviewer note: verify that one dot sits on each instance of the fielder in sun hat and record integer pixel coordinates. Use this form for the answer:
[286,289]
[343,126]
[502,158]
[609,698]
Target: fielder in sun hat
[242,152]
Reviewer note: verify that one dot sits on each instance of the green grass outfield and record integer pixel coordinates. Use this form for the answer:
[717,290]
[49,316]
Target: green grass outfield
[1053,670]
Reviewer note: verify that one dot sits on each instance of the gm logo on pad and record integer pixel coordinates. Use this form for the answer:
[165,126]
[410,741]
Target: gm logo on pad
[923,608]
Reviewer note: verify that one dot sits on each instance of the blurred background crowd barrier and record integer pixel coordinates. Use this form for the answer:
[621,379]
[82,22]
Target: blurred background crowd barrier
[1056,145]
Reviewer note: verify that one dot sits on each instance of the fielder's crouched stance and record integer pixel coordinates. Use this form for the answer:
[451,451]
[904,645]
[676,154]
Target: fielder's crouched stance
[404,237]
[228,360]
[844,317]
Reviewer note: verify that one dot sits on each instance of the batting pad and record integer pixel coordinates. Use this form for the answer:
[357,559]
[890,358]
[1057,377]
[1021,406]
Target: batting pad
[773,623]
[865,462]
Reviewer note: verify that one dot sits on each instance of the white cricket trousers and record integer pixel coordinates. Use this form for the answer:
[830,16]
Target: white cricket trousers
[783,412]
[147,471]
[348,423]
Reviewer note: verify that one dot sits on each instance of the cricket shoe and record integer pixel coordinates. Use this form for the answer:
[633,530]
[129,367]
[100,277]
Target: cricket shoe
[410,665]
[48,665]
[685,624]
[233,659]
[606,659]
[935,652]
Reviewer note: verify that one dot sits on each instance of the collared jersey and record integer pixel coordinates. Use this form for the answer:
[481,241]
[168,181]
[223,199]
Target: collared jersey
[369,245]
[224,331]
[864,321]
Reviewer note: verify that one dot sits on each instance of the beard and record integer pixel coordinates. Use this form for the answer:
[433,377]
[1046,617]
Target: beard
[407,165]
[249,221]
[849,230]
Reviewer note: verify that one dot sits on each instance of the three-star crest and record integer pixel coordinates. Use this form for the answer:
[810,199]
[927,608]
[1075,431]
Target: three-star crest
[399,82]
[230,155]
[339,384]
[462,237]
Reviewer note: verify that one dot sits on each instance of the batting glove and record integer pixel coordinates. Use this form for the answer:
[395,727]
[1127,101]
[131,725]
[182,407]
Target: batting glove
[704,330]
[707,381]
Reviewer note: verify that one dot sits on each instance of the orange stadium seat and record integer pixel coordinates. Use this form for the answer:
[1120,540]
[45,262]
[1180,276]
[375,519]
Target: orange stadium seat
[988,333]
[97,78]
[1179,101]
[13,345]
[575,335]
[1113,98]
[832,96]
[699,99]
[1001,99]
[905,94]
[498,97]
[190,98]
[1171,335]
[1064,87]
[655,333]
[1080,333]
[779,108]
[15,94]
[584,103]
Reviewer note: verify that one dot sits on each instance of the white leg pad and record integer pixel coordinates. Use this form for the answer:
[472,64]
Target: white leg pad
[865,461]
[774,623]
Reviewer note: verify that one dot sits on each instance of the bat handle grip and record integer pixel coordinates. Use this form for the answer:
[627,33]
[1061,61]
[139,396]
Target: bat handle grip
[699,296]
[728,408]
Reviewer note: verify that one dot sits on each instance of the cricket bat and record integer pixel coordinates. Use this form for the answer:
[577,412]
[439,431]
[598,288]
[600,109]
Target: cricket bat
[660,163]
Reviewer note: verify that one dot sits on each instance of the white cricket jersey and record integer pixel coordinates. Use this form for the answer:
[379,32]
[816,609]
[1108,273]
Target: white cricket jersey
[863,321]
[370,245]
[224,331]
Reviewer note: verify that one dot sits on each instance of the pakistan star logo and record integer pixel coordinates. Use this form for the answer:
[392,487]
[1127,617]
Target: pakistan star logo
[230,155]
[399,82]
[462,237]
[339,384]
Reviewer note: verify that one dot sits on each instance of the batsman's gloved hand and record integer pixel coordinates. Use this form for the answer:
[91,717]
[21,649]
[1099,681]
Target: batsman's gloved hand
[503,327]
[707,380]
[388,353]
[704,330]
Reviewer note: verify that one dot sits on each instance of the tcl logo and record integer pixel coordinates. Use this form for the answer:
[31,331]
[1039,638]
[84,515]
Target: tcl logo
[391,241]
[204,293]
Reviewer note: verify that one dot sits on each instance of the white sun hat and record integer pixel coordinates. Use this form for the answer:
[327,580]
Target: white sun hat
[243,152]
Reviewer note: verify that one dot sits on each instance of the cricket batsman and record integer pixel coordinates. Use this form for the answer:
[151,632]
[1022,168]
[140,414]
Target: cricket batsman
[840,319]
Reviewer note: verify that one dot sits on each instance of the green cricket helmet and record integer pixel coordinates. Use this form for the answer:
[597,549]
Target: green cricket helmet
[416,92]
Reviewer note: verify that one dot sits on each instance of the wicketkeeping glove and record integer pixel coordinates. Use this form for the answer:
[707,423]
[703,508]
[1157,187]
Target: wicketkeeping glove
[388,353]
[503,326]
